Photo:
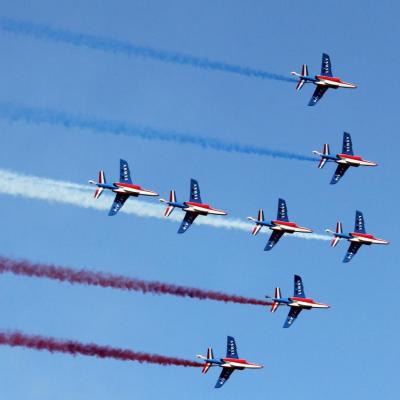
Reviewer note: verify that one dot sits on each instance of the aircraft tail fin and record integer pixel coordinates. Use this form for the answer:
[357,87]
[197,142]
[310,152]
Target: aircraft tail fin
[304,72]
[325,152]
[207,364]
[339,230]
[102,180]
[170,207]
[260,218]
[276,304]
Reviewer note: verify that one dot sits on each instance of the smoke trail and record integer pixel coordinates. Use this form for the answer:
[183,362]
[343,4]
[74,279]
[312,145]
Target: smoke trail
[19,339]
[115,46]
[85,277]
[27,186]
[39,116]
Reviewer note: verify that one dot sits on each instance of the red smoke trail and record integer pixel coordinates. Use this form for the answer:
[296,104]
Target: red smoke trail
[85,277]
[18,339]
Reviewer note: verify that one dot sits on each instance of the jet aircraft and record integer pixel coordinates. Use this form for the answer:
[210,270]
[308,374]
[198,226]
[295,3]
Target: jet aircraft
[345,159]
[279,226]
[228,364]
[193,207]
[123,189]
[356,238]
[324,81]
[298,302]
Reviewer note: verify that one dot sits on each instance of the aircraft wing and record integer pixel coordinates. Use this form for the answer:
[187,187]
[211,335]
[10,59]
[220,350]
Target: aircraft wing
[187,221]
[340,170]
[195,191]
[231,348]
[347,144]
[318,93]
[326,68]
[273,240]
[224,376]
[298,287]
[351,252]
[124,173]
[282,211]
[119,201]
[293,314]
[359,225]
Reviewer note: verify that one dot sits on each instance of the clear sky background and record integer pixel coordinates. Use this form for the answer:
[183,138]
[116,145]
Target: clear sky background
[348,351]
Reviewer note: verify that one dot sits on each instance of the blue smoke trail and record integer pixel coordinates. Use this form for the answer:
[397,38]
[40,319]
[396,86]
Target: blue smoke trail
[38,116]
[109,45]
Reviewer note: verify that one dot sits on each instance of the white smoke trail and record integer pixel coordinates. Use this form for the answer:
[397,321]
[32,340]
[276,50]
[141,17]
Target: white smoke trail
[51,190]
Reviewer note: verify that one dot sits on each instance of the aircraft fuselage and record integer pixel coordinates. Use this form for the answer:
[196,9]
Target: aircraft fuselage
[235,363]
[201,208]
[132,190]
[288,227]
[238,363]
[305,303]
[354,161]
[365,238]
[300,302]
[332,82]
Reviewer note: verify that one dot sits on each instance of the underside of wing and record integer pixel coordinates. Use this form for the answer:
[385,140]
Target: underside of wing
[273,240]
[282,214]
[119,201]
[359,225]
[124,172]
[195,191]
[326,67]
[298,287]
[347,147]
[224,376]
[293,314]
[340,170]
[231,348]
[351,252]
[187,222]
[318,93]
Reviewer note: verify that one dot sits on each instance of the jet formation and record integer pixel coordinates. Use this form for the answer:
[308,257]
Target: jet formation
[195,207]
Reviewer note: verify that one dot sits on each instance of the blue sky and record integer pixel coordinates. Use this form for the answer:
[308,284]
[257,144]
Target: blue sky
[350,350]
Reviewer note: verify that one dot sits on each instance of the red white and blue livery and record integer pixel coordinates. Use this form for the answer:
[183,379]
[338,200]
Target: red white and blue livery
[345,159]
[324,81]
[279,226]
[123,189]
[297,303]
[193,207]
[228,364]
[357,238]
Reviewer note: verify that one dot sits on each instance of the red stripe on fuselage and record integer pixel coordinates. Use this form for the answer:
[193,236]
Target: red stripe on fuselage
[362,235]
[190,203]
[302,299]
[285,223]
[128,185]
[328,78]
[236,360]
[351,157]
